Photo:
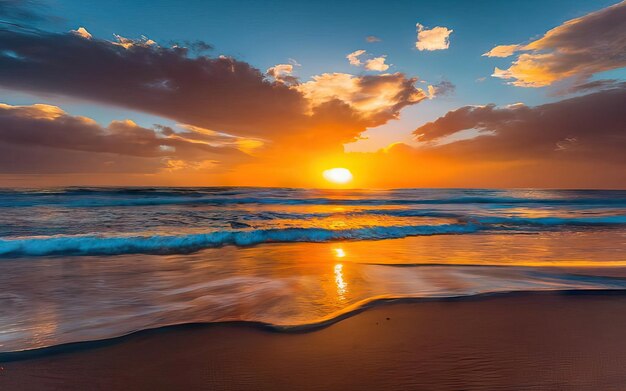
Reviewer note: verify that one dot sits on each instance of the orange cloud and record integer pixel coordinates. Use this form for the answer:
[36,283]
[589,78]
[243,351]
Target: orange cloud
[82,32]
[370,96]
[282,73]
[371,64]
[376,64]
[437,38]
[577,49]
[353,58]
[503,51]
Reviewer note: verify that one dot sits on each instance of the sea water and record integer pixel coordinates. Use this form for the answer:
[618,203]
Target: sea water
[81,264]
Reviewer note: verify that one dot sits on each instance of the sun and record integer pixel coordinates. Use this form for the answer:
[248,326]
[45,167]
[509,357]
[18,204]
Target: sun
[338,175]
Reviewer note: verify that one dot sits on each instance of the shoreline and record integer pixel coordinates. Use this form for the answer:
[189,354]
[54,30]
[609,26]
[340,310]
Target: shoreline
[393,343]
[354,310]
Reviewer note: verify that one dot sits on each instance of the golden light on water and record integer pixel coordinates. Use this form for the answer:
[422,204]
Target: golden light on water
[339,253]
[338,175]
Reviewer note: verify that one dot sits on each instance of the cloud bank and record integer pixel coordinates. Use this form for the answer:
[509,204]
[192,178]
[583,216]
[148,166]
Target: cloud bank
[44,138]
[252,111]
[584,128]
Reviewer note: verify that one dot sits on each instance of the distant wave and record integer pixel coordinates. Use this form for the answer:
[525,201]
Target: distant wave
[554,221]
[226,199]
[271,215]
[86,245]
[485,220]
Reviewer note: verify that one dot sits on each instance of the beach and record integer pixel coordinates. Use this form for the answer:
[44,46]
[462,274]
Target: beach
[329,196]
[304,289]
[530,341]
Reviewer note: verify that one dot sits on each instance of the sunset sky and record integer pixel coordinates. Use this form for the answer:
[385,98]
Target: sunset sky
[273,93]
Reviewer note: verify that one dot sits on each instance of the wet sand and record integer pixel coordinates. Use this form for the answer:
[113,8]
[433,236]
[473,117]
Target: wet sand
[536,341]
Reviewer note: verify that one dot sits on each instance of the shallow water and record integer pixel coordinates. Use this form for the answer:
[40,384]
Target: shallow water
[84,264]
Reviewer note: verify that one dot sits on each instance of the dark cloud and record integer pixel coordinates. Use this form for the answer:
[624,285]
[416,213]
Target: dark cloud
[199,46]
[585,128]
[37,159]
[586,87]
[43,138]
[221,93]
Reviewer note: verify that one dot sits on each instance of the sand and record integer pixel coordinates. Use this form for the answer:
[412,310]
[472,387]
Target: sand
[538,341]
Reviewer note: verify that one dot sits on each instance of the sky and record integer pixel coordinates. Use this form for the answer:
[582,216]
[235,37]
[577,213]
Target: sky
[273,93]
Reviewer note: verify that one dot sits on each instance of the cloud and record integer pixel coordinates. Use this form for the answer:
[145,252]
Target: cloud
[371,64]
[128,43]
[583,128]
[376,64]
[577,49]
[229,111]
[82,32]
[220,93]
[179,165]
[196,134]
[441,89]
[503,51]
[375,99]
[47,130]
[372,39]
[282,73]
[196,46]
[574,143]
[437,38]
[588,86]
[353,57]
[279,70]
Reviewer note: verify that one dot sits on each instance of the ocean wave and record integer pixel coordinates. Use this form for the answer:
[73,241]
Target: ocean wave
[484,220]
[91,244]
[87,244]
[553,221]
[274,215]
[234,198]
[512,221]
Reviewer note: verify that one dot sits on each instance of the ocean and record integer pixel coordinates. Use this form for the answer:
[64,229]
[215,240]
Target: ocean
[84,264]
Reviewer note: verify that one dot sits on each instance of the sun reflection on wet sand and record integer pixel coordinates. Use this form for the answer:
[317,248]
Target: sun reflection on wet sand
[342,286]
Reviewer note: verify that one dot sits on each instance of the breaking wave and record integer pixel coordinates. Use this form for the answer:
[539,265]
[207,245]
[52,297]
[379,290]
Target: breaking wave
[87,245]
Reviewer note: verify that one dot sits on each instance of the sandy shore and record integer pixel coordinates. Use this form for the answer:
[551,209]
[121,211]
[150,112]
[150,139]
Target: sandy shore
[542,341]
